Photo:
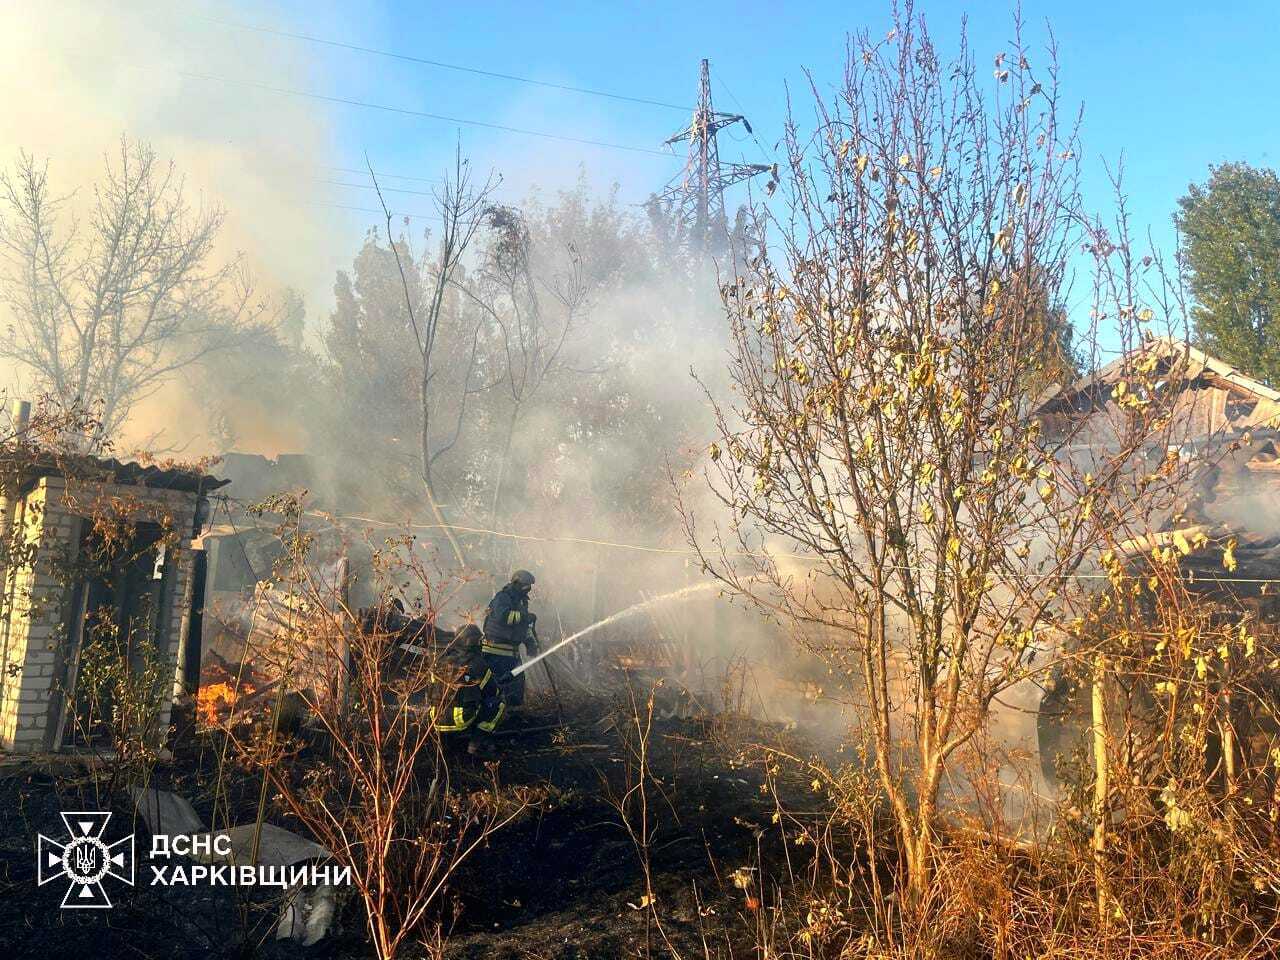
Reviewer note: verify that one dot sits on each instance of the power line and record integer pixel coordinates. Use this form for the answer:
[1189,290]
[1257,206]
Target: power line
[370,186]
[445,66]
[405,111]
[386,189]
[378,173]
[381,213]
[769,154]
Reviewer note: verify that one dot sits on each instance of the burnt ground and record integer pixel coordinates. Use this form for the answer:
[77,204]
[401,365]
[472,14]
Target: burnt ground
[563,881]
[567,881]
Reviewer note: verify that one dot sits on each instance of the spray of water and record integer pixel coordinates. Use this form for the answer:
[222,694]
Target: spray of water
[633,609]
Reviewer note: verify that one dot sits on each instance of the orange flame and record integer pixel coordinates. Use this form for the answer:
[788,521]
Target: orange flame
[216,700]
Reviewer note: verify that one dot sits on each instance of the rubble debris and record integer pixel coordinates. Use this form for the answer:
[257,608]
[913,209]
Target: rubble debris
[165,812]
[308,914]
[308,911]
[277,847]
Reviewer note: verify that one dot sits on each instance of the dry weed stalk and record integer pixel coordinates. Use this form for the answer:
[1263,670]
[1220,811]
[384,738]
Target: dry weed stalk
[371,780]
[632,803]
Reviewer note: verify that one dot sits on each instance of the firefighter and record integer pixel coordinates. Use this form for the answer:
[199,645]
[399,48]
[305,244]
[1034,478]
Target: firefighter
[475,705]
[507,624]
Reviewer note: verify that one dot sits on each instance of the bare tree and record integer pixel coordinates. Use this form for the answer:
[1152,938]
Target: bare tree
[463,206]
[510,290]
[105,312]
[882,350]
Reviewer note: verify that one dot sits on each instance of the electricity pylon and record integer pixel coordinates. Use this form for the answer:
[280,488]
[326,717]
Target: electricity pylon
[696,197]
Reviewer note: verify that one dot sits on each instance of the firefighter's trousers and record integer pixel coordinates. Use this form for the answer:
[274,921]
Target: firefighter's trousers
[502,663]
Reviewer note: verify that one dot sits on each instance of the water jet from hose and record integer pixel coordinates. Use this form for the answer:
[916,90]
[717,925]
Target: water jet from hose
[634,608]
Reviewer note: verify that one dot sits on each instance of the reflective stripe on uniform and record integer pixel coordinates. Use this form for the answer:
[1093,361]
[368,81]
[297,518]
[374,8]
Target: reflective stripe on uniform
[501,649]
[488,726]
[513,618]
[460,721]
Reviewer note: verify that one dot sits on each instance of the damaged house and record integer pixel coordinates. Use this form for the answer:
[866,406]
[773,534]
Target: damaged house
[1225,521]
[100,569]
[1226,427]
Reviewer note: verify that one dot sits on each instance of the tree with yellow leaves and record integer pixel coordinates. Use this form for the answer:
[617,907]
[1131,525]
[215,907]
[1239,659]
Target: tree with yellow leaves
[883,345]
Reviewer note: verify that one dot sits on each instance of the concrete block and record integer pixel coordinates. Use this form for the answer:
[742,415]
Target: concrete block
[276,846]
[166,812]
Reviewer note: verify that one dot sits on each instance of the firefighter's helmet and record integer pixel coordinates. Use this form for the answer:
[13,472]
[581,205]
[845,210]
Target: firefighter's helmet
[523,578]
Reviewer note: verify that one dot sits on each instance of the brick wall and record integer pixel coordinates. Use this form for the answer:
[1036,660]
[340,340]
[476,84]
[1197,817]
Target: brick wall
[33,642]
[28,635]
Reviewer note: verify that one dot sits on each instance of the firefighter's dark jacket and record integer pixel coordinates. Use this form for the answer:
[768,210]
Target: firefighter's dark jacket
[463,694]
[507,622]
[475,698]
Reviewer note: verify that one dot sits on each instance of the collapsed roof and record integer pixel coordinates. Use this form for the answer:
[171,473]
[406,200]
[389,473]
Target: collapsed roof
[1225,419]
[1237,402]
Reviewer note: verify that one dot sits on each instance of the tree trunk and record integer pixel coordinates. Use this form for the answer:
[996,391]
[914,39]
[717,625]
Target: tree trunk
[438,513]
[502,472]
[436,510]
[921,859]
[1100,785]
[920,866]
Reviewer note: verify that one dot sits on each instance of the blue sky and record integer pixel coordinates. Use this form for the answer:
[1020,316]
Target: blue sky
[1172,86]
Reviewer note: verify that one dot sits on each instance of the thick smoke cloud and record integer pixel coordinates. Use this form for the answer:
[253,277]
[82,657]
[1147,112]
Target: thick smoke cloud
[77,76]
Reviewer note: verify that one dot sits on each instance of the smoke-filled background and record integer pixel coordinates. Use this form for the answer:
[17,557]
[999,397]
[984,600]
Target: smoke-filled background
[329,379]
[76,77]
[564,412]
[565,409]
